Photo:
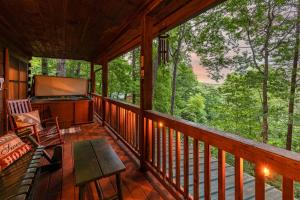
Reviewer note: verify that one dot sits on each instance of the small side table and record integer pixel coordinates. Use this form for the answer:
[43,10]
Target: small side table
[93,160]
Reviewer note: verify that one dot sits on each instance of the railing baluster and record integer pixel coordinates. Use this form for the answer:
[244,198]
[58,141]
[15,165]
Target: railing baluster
[137,132]
[133,130]
[164,151]
[207,174]
[287,188]
[146,128]
[158,148]
[186,166]
[178,160]
[171,155]
[221,174]
[153,143]
[259,183]
[126,124]
[129,127]
[196,168]
[150,141]
[122,122]
[110,114]
[119,120]
[107,111]
[238,168]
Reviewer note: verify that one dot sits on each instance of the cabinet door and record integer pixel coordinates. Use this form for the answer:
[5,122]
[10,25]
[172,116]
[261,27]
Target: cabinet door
[81,112]
[64,111]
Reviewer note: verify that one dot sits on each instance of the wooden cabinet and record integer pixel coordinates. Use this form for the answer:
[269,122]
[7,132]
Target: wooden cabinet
[83,112]
[69,112]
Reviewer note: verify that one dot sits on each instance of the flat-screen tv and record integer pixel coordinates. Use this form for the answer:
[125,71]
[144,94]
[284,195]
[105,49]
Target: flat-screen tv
[59,86]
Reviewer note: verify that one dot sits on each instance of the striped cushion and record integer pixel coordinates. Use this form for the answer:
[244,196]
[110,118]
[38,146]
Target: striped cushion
[11,149]
[29,118]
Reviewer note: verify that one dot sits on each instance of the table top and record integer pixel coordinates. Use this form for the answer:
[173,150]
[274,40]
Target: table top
[94,159]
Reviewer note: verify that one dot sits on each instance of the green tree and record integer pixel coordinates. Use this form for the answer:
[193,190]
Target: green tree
[249,37]
[195,109]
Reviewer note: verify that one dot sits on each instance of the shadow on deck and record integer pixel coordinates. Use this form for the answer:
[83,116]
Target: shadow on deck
[61,184]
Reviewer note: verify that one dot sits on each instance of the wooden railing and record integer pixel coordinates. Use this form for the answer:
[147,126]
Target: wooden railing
[98,101]
[123,120]
[177,150]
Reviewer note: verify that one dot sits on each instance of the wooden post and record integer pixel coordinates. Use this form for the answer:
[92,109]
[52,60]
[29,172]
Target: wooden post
[28,78]
[5,88]
[92,77]
[104,87]
[145,82]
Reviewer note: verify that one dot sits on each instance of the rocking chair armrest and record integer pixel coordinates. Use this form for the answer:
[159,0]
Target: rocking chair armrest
[23,131]
[23,127]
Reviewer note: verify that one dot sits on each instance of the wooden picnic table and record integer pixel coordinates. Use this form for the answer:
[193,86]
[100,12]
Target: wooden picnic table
[93,160]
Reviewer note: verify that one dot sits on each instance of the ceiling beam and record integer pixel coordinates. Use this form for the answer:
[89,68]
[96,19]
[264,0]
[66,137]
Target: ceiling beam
[181,15]
[146,8]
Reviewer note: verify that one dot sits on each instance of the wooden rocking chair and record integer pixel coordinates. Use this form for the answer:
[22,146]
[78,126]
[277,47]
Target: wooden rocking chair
[50,134]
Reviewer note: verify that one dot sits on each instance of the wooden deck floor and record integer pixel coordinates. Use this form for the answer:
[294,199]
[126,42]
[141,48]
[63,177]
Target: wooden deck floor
[60,184]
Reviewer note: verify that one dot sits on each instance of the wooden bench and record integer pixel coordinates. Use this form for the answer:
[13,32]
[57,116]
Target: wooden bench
[93,160]
[19,180]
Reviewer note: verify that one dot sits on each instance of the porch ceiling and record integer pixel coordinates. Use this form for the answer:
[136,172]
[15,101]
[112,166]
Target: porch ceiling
[85,29]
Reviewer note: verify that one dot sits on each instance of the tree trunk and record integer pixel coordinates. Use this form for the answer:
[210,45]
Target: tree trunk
[173,86]
[77,70]
[133,62]
[61,68]
[289,135]
[265,106]
[265,87]
[44,66]
[175,65]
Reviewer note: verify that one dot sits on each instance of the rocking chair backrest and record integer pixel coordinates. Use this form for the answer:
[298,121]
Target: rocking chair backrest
[18,106]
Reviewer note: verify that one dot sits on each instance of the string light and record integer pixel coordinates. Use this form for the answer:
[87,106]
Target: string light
[266,171]
[160,124]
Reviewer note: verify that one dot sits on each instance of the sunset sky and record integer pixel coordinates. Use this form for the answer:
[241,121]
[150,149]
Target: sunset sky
[201,72]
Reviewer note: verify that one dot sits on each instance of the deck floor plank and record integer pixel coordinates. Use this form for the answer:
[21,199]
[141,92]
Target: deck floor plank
[60,185]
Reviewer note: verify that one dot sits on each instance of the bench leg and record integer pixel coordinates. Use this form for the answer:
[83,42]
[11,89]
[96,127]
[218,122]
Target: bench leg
[99,190]
[119,186]
[81,192]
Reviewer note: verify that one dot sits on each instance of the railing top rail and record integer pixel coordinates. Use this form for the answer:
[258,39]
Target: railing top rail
[125,105]
[95,94]
[285,162]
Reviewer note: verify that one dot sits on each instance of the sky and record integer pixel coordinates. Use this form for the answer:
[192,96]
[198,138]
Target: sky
[201,73]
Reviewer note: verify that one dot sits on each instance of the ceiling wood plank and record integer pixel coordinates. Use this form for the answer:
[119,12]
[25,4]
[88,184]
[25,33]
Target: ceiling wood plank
[180,15]
[88,30]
